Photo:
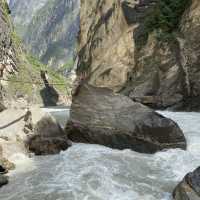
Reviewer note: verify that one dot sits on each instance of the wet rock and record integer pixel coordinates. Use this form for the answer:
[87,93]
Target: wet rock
[3,180]
[2,170]
[48,137]
[5,163]
[2,107]
[99,116]
[45,146]
[189,188]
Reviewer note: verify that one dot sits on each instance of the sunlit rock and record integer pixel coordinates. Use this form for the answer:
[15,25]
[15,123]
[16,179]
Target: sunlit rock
[98,116]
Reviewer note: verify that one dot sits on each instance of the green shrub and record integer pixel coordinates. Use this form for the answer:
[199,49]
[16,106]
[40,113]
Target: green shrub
[167,15]
[164,19]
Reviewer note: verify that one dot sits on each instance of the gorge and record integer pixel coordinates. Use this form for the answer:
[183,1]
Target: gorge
[134,59]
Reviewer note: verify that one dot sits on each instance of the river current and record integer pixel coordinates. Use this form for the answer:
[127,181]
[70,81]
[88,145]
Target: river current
[93,172]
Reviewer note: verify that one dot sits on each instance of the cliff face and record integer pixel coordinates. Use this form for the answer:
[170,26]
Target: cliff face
[49,28]
[7,50]
[148,50]
[20,74]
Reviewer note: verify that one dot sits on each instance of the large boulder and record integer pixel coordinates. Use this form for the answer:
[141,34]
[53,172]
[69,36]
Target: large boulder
[48,137]
[189,188]
[3,169]
[99,116]
[5,164]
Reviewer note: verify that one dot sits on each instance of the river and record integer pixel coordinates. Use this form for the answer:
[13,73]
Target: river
[93,172]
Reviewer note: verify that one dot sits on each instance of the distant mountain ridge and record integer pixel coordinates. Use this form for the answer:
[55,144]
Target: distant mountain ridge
[48,28]
[23,11]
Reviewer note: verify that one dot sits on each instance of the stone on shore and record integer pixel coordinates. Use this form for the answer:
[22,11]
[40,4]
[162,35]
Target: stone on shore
[5,164]
[48,137]
[98,116]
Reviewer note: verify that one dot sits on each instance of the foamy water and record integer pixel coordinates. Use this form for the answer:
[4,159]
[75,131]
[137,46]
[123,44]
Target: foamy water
[92,172]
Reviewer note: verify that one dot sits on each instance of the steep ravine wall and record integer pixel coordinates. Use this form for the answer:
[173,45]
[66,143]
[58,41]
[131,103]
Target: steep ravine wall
[20,73]
[133,48]
[8,57]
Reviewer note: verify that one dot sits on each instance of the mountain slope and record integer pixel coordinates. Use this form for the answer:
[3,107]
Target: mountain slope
[20,72]
[48,28]
[22,13]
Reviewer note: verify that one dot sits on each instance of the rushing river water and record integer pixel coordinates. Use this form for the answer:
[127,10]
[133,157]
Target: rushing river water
[92,172]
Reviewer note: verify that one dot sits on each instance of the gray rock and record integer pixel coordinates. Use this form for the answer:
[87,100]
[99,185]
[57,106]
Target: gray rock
[2,107]
[3,180]
[99,116]
[189,188]
[2,170]
[48,137]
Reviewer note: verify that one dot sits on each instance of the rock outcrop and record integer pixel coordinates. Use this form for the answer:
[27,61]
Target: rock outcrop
[139,48]
[99,116]
[48,137]
[189,188]
[5,165]
[7,51]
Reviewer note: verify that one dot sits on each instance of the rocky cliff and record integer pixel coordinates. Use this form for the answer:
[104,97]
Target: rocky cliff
[145,49]
[49,28]
[20,77]
[8,57]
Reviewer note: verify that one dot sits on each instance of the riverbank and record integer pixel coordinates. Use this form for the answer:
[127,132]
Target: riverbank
[12,126]
[97,172]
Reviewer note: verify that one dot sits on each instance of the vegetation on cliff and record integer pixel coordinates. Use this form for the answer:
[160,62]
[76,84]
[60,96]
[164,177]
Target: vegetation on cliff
[164,19]
[26,81]
[20,71]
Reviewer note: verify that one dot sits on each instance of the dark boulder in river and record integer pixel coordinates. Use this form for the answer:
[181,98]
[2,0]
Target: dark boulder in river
[3,180]
[189,188]
[48,137]
[2,170]
[2,107]
[99,116]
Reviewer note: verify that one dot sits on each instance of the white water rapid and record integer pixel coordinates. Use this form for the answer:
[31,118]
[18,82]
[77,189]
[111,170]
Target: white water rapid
[92,172]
